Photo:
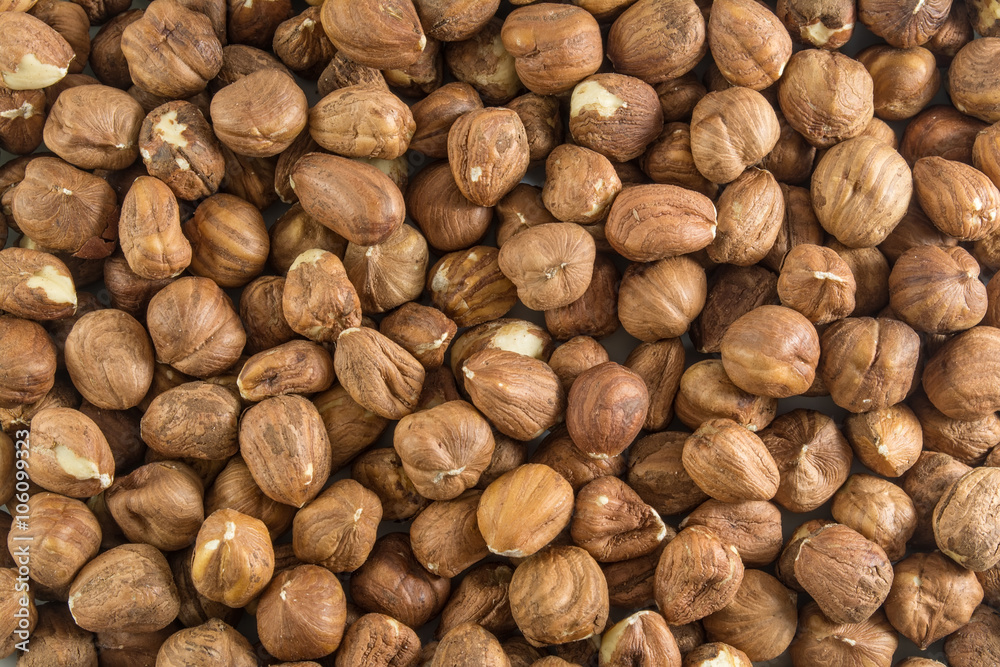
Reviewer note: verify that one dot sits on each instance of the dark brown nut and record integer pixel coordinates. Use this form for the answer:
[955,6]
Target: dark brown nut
[254,24]
[65,209]
[213,638]
[542,122]
[393,582]
[357,201]
[520,336]
[65,533]
[823,641]
[606,409]
[22,120]
[129,291]
[381,471]
[871,273]
[869,364]
[661,299]
[349,426]
[295,367]
[753,527]
[508,454]
[445,536]
[630,584]
[698,574]
[860,190]
[488,154]
[669,160]
[961,527]
[294,233]
[319,300]
[106,57]
[887,440]
[613,523]
[791,159]
[36,285]
[905,80]
[972,81]
[931,597]
[838,109]
[159,504]
[748,43]
[847,575]
[576,356]
[951,273]
[657,474]
[94,127]
[763,363]
[879,510]
[651,222]
[559,453]
[559,596]
[903,25]
[172,51]
[422,331]
[374,34]
[969,441]
[194,327]
[444,449]
[678,96]
[423,76]
[435,114]
[799,226]
[657,41]
[362,121]
[986,152]
[234,488]
[57,639]
[660,365]
[961,390]
[481,597]
[813,458]
[36,57]
[554,47]
[596,312]
[750,214]
[178,147]
[483,62]
[915,229]
[940,131]
[615,115]
[733,292]
[729,462]
[302,44]
[815,281]
[730,131]
[69,454]
[240,60]
[390,273]
[150,229]
[268,101]
[580,184]
[137,572]
[285,445]
[233,559]
[448,220]
[302,614]
[110,359]
[819,23]
[960,200]
[378,640]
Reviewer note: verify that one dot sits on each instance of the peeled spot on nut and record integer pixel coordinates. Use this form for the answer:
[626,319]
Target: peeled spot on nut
[642,636]
[35,285]
[33,55]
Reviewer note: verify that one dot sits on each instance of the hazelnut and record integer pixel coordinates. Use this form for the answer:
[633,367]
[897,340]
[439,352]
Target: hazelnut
[559,452]
[390,273]
[553,47]
[879,510]
[580,184]
[599,527]
[540,498]
[986,152]
[967,441]
[668,160]
[887,440]
[733,292]
[820,23]
[126,589]
[319,300]
[69,454]
[94,127]
[651,222]
[659,364]
[238,105]
[925,483]
[488,154]
[657,41]
[378,640]
[596,312]
[815,281]
[519,336]
[285,445]
[150,228]
[753,527]
[615,115]
[483,62]
[791,159]
[698,574]
[657,474]
[234,488]
[129,292]
[748,43]
[350,427]
[362,121]
[751,212]
[178,146]
[574,357]
[233,559]
[301,614]
[716,653]
[208,430]
[381,471]
[194,327]
[730,131]
[375,34]
[972,82]
[481,597]
[448,220]
[36,57]
[931,597]
[915,229]
[422,331]
[953,274]
[469,644]
[641,636]
[22,120]
[940,131]
[542,122]
[974,643]
[607,408]
[660,299]
[729,462]
[435,114]
[393,582]
[294,232]
[229,242]
[159,504]
[507,455]
[301,43]
[678,97]
[961,527]
[760,620]
[962,390]
[212,640]
[821,641]
[905,79]
[57,639]
[960,200]
[377,373]
[630,582]
[558,596]
[36,285]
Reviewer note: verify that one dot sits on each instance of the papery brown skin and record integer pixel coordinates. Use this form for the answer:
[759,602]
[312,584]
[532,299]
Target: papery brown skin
[660,365]
[903,26]
[444,449]
[116,345]
[751,212]
[445,536]
[165,156]
[233,559]
[135,503]
[733,291]
[150,231]
[580,184]
[668,159]
[514,335]
[872,641]
[375,34]
[69,454]
[301,43]
[229,241]
[615,115]
[960,200]
[318,300]
[731,130]
[435,114]
[961,390]
[887,440]
[448,220]
[388,274]
[381,471]
[969,441]
[624,527]
[879,510]
[698,574]
[960,520]
[575,356]
[94,127]
[359,121]
[377,639]
[729,462]
[752,526]
[210,426]
[378,373]
[651,222]
[975,642]
[234,488]
[302,613]
[488,154]
[657,41]
[469,643]
[705,654]
[760,620]
[481,597]
[818,283]
[293,233]
[657,474]
[295,367]
[941,131]
[640,637]
[483,62]
[558,451]
[469,287]
[424,332]
[661,299]
[606,409]
[214,639]
[748,43]
[900,97]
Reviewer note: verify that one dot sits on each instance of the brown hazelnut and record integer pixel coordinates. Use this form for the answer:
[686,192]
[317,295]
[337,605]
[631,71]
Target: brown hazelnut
[887,440]
[760,620]
[69,454]
[445,536]
[469,644]
[22,120]
[302,613]
[753,527]
[820,23]
[822,641]
[730,131]
[729,462]
[940,131]
[294,232]
[448,220]
[660,299]
[657,474]
[435,114]
[178,146]
[962,390]
[905,79]
[487,153]
[668,160]
[815,281]
[36,285]
[37,57]
[319,300]
[542,122]
[641,636]
[301,43]
[57,639]
[234,488]
[968,441]
[576,356]
[362,121]
[972,81]
[233,559]
[599,528]
[960,200]
[791,159]
[678,97]
[733,292]
[390,273]
[595,313]
[974,643]
[580,184]
[961,526]
[483,62]
[209,427]
[630,582]
[377,639]
[698,574]
[378,373]
[423,331]
[651,222]
[94,127]
[716,653]
[159,504]
[229,242]
[373,34]
[519,336]
[381,471]
[213,638]
[657,41]
[481,597]
[879,510]
[615,115]
[748,43]
[751,212]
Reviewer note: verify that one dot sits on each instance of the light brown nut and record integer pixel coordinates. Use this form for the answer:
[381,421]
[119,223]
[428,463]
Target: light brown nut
[234,488]
[302,613]
[826,25]
[520,336]
[706,392]
[596,312]
[294,232]
[698,574]
[377,639]
[973,642]
[381,471]
[660,365]
[962,390]
[553,47]
[390,273]
[753,527]
[613,523]
[580,184]
[295,367]
[36,56]
[378,373]
[69,454]
[961,201]
[651,222]
[375,34]
[630,585]
[642,636]
[35,285]
[233,559]
[285,446]
[972,80]
[887,440]
[961,523]
[229,241]
[160,504]
[319,300]
[615,115]
[815,281]
[657,41]
[729,462]
[660,299]
[951,273]
[469,644]
[748,43]
[716,653]
[423,331]
[606,409]
[268,101]
[135,572]
[762,363]
[731,130]
[194,327]
[488,154]
[150,231]
[751,212]
[668,160]
[860,191]
[94,127]
[557,270]
[574,357]
[358,202]
[110,359]
[879,510]
[942,131]
[826,642]
[542,122]
[905,80]
[22,120]
[181,647]
[968,441]
[208,430]
[361,121]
